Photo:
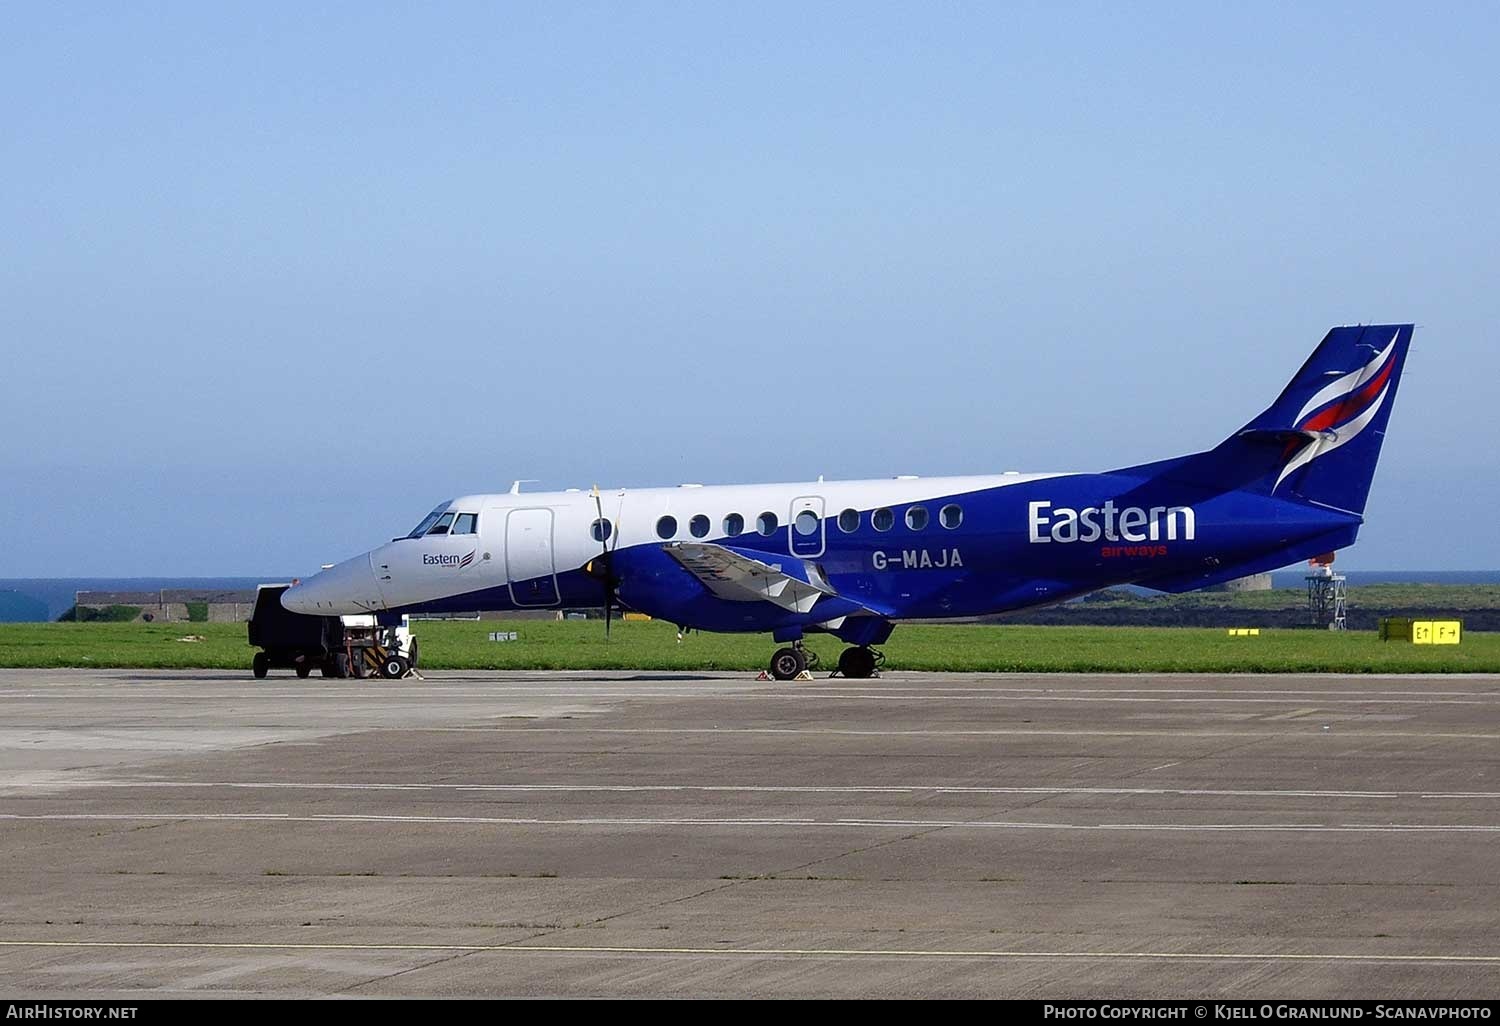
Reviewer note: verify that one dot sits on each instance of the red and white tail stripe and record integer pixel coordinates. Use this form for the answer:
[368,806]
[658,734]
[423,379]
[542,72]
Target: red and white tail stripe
[1343,408]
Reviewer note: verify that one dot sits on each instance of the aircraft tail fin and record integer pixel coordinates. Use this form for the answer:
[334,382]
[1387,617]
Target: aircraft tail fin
[1319,441]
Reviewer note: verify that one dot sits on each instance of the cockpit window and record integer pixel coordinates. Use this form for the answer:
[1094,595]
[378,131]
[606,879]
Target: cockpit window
[467,523]
[443,523]
[430,519]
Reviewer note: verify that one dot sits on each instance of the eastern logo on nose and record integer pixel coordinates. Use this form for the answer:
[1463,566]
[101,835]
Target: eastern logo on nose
[443,559]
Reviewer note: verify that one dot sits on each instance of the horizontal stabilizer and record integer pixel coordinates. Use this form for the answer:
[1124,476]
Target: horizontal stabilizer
[1318,443]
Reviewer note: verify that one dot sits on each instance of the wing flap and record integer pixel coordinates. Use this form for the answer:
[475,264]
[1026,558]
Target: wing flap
[735,577]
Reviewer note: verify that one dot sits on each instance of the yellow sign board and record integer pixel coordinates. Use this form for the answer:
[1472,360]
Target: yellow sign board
[1436,632]
[1244,632]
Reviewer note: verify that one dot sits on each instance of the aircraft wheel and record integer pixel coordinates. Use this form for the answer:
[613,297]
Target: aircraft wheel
[416,653]
[857,663]
[304,669]
[260,665]
[394,667]
[340,665]
[787,663]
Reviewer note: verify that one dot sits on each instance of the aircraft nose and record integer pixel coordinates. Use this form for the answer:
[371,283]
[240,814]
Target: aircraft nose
[346,588]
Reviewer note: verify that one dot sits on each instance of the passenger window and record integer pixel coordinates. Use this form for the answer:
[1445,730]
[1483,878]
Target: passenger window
[950,516]
[849,521]
[807,523]
[441,527]
[698,526]
[734,524]
[882,519]
[666,527]
[916,517]
[601,529]
[766,524]
[465,524]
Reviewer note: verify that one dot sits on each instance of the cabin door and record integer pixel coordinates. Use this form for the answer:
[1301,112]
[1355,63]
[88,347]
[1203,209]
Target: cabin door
[529,566]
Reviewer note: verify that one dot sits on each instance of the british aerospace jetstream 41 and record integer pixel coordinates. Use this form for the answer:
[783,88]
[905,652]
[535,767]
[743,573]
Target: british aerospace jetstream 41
[850,558]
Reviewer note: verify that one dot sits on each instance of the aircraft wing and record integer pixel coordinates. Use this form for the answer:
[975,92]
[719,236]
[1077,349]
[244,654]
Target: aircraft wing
[736,577]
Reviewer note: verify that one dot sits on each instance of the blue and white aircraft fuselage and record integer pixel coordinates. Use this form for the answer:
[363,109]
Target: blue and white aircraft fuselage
[851,558]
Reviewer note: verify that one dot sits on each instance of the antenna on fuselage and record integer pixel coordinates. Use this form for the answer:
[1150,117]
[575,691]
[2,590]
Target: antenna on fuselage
[515,486]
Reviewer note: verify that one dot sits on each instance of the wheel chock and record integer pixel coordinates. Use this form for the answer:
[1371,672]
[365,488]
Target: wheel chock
[804,675]
[762,675]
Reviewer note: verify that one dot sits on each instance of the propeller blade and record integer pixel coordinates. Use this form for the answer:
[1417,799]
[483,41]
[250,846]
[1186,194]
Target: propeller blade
[606,562]
[614,582]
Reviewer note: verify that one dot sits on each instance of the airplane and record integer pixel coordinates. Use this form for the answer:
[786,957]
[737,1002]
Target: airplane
[854,558]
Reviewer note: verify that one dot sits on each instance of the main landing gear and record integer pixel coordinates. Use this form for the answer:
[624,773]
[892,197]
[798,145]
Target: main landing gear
[788,662]
[858,663]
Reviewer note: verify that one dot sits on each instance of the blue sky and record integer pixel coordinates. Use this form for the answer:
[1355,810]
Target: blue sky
[273,281]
